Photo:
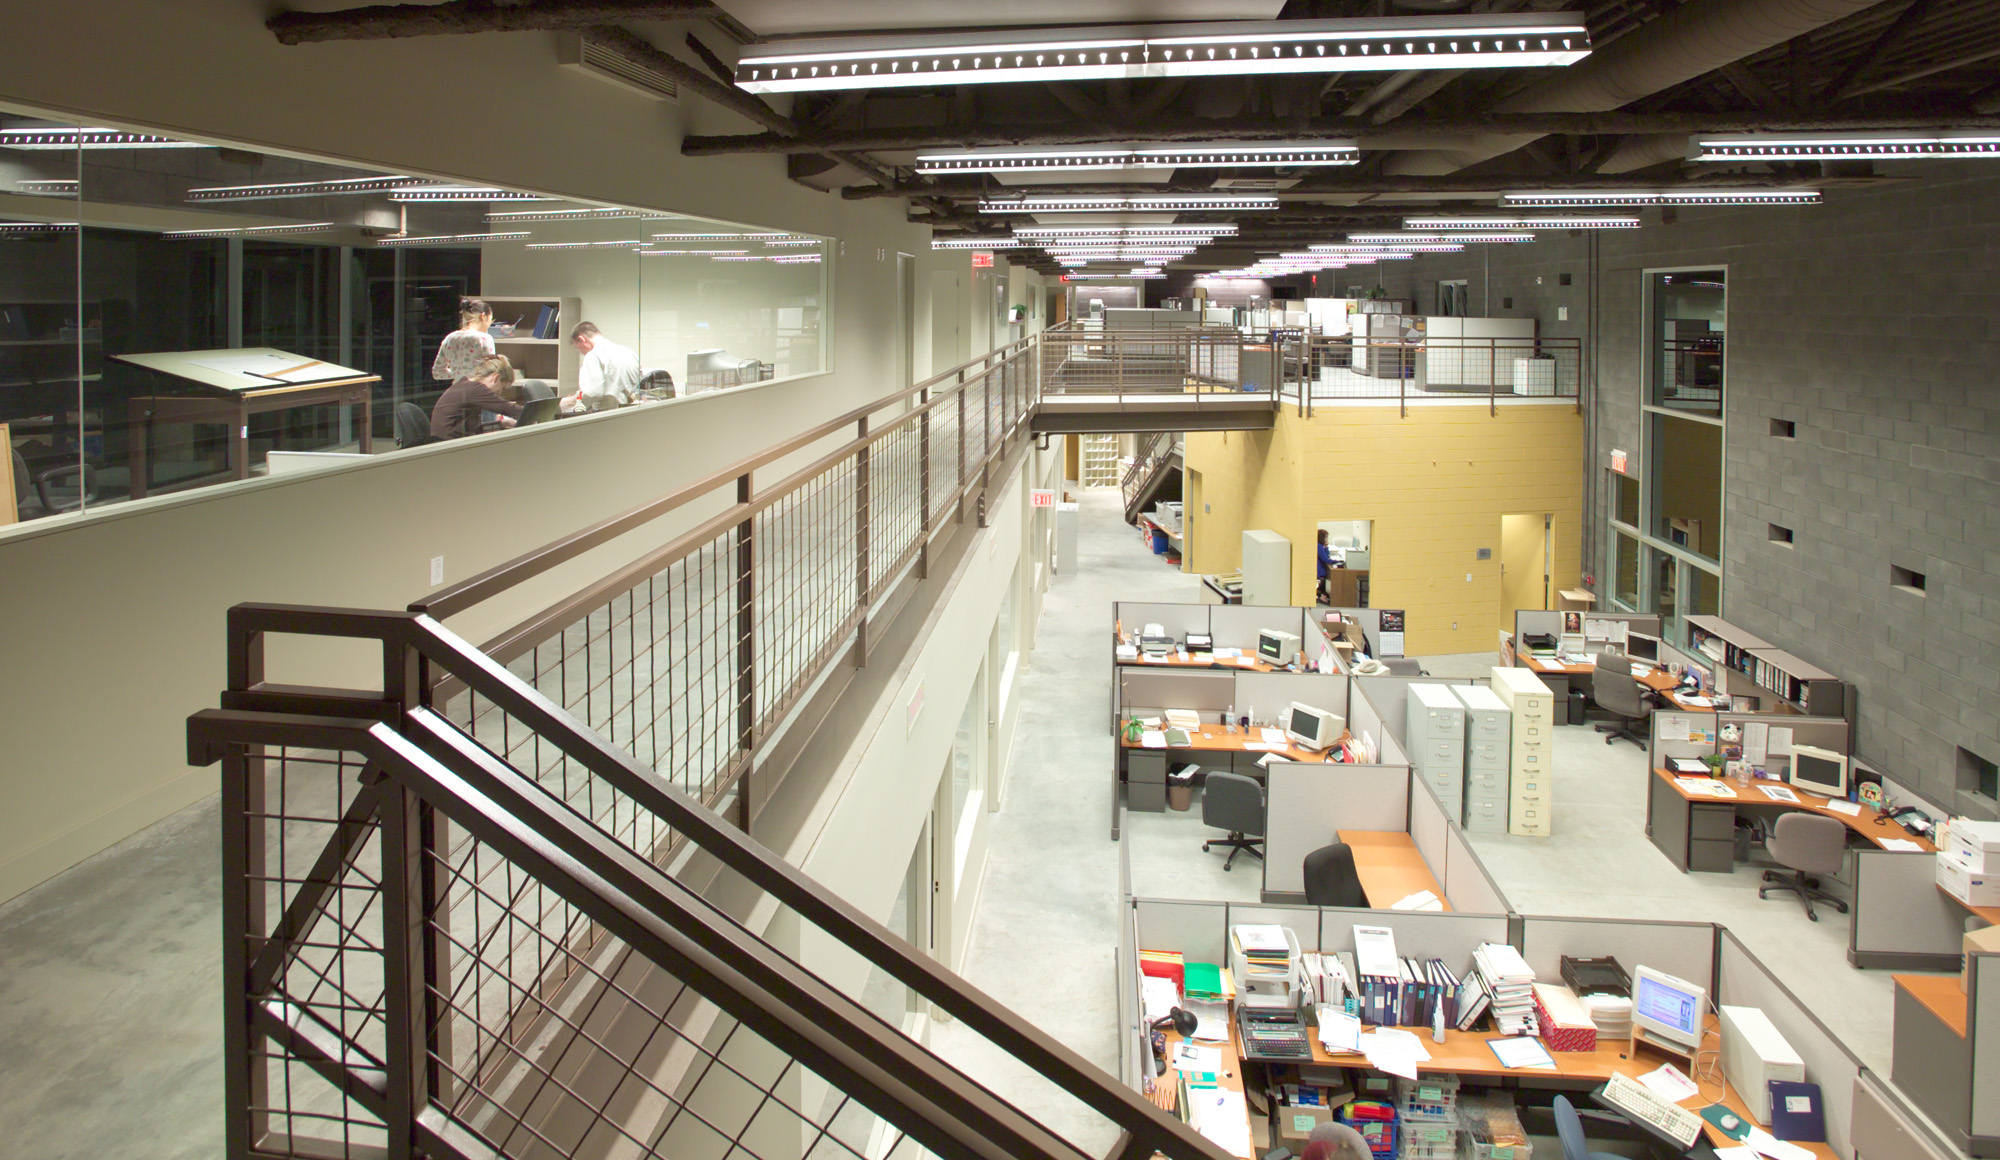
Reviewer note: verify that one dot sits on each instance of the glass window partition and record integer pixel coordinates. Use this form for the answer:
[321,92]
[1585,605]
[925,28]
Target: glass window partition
[1625,585]
[1685,457]
[1688,332]
[175,314]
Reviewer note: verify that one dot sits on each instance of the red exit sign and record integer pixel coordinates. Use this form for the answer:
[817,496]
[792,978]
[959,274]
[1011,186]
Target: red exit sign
[982,261]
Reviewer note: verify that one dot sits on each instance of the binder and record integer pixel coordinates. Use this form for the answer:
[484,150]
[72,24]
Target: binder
[545,323]
[1796,1111]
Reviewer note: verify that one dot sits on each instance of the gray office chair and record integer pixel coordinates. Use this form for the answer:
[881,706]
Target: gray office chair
[535,390]
[1404,667]
[1232,802]
[1569,1129]
[1331,879]
[62,488]
[1620,694]
[413,427]
[1808,845]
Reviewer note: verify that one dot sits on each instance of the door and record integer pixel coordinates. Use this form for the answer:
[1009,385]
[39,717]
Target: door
[947,321]
[1525,553]
[906,318]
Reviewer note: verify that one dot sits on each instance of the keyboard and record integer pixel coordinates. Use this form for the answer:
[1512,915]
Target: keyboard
[1648,1109]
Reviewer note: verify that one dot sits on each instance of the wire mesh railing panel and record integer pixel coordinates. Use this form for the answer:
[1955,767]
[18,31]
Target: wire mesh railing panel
[947,468]
[1437,368]
[311,930]
[1140,362]
[806,555]
[625,1059]
[894,504]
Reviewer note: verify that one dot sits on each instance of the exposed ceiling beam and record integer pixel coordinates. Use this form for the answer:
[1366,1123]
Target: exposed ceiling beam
[1905,23]
[1266,129]
[463,17]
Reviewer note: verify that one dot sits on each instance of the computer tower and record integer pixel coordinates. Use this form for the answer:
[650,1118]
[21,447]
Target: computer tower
[1753,1054]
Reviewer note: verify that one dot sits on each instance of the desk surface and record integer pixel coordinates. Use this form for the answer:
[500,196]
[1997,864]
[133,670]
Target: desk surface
[1179,660]
[1212,739]
[229,379]
[1659,680]
[1390,868]
[1867,823]
[1230,1077]
[1940,995]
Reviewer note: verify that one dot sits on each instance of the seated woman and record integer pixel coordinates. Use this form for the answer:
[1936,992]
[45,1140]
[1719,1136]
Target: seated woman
[489,387]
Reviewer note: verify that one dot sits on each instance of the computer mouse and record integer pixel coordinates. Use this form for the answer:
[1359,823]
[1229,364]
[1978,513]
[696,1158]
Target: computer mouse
[1730,1123]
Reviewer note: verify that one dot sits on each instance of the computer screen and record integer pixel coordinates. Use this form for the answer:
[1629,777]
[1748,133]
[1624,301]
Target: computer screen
[1819,770]
[1642,648]
[1304,723]
[1668,1004]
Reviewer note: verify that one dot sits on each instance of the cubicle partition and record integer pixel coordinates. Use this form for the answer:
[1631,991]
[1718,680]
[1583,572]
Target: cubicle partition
[1306,805]
[1902,921]
[1390,698]
[1683,949]
[1370,716]
[1681,733]
[1599,628]
[1229,626]
[1741,980]
[1467,884]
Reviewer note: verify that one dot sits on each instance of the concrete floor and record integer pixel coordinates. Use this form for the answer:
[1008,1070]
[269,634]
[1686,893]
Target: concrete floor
[110,1012]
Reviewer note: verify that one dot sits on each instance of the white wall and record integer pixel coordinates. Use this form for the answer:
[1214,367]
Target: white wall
[119,631]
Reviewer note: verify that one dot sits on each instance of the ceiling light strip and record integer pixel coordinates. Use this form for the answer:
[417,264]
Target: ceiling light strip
[89,137]
[1636,197]
[271,191]
[1941,143]
[1508,40]
[245,231]
[1398,238]
[461,193]
[447,239]
[1142,204]
[1316,153]
[1522,222]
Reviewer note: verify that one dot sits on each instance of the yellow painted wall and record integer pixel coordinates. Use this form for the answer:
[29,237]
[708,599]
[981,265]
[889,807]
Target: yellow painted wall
[1435,484]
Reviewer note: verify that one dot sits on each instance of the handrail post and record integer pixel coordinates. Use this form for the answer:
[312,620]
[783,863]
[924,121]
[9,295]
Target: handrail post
[406,989]
[963,472]
[924,486]
[1402,387]
[746,648]
[1493,377]
[861,500]
[244,1083]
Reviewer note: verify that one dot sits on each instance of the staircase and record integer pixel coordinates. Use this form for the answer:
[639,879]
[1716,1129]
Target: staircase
[1157,461]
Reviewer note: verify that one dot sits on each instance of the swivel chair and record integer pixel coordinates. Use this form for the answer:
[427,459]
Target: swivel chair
[1808,845]
[1331,879]
[413,427]
[1232,802]
[1405,667]
[1569,1129]
[1619,693]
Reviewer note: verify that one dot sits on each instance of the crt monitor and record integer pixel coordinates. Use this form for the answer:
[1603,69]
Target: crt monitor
[1276,647]
[1668,1007]
[1641,647]
[1820,770]
[1312,728]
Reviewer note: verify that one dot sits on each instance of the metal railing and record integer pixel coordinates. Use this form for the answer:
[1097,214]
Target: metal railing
[1154,451]
[1082,361]
[1322,368]
[433,949]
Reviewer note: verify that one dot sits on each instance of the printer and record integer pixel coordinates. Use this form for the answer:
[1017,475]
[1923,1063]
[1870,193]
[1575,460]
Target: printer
[1154,641]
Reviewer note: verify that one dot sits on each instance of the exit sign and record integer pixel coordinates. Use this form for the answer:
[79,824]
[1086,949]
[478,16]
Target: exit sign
[1041,497]
[982,261]
[1618,462]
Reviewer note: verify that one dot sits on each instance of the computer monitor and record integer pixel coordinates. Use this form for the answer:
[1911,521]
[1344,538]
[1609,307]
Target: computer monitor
[538,411]
[1312,728]
[1641,647]
[1820,770]
[1668,1007]
[1276,647]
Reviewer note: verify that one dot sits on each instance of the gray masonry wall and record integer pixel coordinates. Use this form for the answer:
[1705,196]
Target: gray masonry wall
[1873,322]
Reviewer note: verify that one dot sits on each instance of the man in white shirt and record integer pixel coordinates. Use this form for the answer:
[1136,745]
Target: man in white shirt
[609,377]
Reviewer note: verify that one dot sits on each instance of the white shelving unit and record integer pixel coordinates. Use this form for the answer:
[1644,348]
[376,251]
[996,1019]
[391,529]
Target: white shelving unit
[1100,460]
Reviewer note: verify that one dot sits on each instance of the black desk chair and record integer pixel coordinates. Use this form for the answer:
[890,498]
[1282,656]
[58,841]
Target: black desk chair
[1331,879]
[413,426]
[1232,802]
[1620,694]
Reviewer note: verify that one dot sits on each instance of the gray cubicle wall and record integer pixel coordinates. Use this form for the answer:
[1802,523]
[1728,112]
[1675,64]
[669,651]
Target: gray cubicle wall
[1212,692]
[1538,621]
[1983,1025]
[1177,619]
[1823,732]
[1391,698]
[1438,837]
[1884,1124]
[1306,805]
[1200,930]
[1902,921]
[1683,949]
[1367,720]
[1743,981]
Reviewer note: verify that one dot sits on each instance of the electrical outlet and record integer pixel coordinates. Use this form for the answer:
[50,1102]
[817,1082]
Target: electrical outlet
[1454,626]
[1468,580]
[437,569]
[1562,314]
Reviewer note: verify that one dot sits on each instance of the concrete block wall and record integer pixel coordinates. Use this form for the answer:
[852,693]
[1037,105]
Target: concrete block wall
[1873,323]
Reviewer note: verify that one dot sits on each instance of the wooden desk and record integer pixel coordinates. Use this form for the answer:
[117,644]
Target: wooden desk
[1390,868]
[1243,664]
[1139,775]
[1658,680]
[1229,1078]
[1213,739]
[1698,832]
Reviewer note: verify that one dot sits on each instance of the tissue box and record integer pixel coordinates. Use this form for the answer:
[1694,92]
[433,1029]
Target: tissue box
[1977,842]
[1963,881]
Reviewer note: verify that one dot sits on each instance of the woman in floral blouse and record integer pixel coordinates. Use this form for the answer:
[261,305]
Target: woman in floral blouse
[462,349]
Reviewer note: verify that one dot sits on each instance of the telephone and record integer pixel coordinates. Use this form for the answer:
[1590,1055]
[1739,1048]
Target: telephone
[1912,819]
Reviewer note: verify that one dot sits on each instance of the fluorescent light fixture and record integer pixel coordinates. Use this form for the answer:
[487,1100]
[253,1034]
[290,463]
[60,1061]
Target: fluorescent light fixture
[569,215]
[48,186]
[272,191]
[91,137]
[447,239]
[1845,146]
[1301,153]
[37,227]
[1210,229]
[686,253]
[1378,247]
[717,237]
[1509,40]
[1139,204]
[460,193]
[1002,243]
[786,259]
[245,231]
[629,243]
[1399,238]
[1630,197]
[793,242]
[1519,222]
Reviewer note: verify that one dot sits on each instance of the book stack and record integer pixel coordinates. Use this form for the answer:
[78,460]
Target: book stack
[1511,983]
[1566,1022]
[1379,975]
[1185,719]
[1428,988]
[1329,980]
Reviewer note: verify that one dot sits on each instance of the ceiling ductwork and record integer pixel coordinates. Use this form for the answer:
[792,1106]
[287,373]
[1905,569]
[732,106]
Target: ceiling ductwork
[1697,37]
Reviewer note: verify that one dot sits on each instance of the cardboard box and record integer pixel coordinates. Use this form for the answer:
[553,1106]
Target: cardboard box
[1985,940]
[1296,1122]
[1962,881]
[1977,842]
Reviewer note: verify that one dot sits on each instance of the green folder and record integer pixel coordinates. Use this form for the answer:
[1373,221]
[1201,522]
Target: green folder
[1177,739]
[1202,980]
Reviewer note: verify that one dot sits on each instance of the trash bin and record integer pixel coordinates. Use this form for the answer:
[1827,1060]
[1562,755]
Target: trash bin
[1180,787]
[1576,702]
[1159,542]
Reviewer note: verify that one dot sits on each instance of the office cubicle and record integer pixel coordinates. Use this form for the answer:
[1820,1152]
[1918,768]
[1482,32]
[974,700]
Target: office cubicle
[1599,628]
[1230,626]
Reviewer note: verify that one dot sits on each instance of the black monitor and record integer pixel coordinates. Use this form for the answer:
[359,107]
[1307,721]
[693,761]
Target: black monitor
[1642,648]
[538,411]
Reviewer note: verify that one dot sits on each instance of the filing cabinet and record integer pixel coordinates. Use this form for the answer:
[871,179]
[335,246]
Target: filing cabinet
[1146,781]
[1530,775]
[1489,740]
[1435,739]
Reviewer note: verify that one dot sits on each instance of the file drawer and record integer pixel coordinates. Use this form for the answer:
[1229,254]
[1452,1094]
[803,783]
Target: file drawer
[1488,755]
[1490,785]
[1531,823]
[1716,823]
[1485,818]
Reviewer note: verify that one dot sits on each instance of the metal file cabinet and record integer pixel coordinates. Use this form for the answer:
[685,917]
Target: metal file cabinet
[1489,745]
[1436,742]
[1530,776]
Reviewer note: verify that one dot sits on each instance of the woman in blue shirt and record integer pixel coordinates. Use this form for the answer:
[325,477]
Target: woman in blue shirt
[1325,566]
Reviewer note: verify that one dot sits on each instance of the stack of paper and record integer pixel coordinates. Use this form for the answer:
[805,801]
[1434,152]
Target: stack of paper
[1265,949]
[1163,964]
[1610,1014]
[1184,719]
[1511,981]
[1158,997]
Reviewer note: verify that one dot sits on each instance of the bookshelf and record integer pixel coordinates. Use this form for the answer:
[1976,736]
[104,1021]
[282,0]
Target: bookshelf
[540,358]
[1752,666]
[1100,460]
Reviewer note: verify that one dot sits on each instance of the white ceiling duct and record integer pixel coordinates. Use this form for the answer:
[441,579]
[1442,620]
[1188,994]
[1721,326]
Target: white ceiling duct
[1695,38]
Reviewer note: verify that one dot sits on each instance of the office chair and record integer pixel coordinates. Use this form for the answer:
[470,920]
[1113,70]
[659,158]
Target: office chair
[1569,1129]
[535,390]
[1331,879]
[1232,802]
[1404,667]
[1619,693]
[1807,845]
[53,496]
[413,427]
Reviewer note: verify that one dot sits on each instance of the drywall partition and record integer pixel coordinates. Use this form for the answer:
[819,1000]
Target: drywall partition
[1306,805]
[1744,981]
[1683,949]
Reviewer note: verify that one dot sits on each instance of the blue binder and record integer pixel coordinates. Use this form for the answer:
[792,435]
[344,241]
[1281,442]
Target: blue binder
[1796,1111]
